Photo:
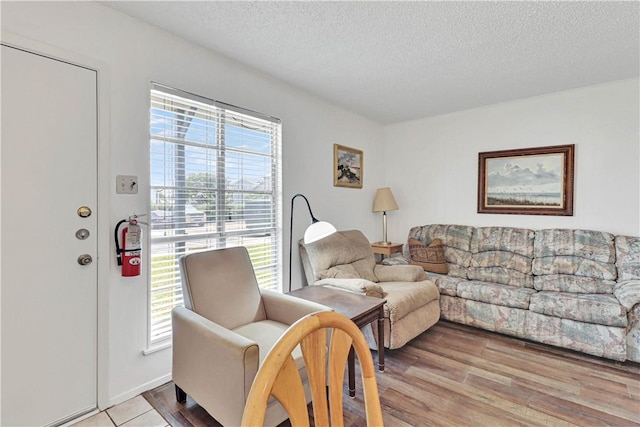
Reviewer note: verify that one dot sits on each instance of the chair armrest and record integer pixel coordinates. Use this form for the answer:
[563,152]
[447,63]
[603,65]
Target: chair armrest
[359,286]
[205,352]
[189,324]
[628,293]
[399,273]
[286,308]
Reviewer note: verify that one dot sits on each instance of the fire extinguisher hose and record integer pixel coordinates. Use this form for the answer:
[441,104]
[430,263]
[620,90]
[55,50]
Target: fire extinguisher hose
[115,236]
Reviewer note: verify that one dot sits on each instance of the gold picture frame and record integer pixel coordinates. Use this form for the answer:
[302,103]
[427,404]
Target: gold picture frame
[529,181]
[348,165]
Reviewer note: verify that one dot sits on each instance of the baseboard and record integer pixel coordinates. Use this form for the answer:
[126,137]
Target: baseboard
[123,397]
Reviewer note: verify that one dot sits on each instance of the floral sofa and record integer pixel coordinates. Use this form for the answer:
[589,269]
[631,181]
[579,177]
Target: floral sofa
[577,289]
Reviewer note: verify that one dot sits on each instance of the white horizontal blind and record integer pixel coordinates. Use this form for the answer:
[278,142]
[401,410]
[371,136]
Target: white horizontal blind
[215,183]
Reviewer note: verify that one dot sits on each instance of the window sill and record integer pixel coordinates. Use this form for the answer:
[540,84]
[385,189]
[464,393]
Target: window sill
[156,348]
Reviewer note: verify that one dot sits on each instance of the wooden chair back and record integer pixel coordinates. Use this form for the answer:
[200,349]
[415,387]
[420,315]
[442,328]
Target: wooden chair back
[279,376]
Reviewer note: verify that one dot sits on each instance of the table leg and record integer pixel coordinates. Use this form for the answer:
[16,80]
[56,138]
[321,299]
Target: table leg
[381,340]
[352,373]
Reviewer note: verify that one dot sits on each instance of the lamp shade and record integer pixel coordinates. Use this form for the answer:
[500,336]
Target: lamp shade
[384,201]
[318,230]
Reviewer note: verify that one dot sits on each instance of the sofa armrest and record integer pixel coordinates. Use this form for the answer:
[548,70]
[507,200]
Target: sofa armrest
[628,293]
[286,308]
[204,351]
[399,273]
[396,260]
[359,286]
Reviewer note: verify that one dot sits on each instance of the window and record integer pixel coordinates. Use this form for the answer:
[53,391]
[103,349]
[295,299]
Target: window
[215,183]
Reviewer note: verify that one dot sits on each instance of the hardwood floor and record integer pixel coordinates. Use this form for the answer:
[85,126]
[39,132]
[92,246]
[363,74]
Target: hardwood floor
[455,375]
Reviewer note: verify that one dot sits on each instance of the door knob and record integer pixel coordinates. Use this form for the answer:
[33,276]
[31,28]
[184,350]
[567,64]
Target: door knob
[85,259]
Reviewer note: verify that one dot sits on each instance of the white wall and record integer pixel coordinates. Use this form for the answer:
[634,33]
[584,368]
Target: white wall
[128,56]
[435,160]
[430,164]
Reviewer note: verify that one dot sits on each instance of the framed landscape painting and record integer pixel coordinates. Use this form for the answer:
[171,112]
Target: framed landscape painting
[530,181]
[347,166]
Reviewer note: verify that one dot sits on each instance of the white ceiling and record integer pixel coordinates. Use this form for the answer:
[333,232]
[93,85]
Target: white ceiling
[397,61]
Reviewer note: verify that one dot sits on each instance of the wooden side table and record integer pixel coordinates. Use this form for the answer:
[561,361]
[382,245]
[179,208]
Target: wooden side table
[387,250]
[361,309]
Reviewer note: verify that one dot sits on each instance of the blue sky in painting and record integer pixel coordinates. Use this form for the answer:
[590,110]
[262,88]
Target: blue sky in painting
[531,174]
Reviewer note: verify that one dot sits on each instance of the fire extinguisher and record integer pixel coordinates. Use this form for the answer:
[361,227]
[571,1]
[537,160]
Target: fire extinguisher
[129,255]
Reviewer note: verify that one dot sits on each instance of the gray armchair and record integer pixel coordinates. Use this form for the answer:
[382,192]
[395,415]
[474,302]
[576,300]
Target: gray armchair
[225,330]
[346,261]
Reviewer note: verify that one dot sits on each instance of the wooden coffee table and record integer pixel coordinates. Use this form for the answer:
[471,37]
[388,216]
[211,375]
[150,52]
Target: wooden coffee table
[361,309]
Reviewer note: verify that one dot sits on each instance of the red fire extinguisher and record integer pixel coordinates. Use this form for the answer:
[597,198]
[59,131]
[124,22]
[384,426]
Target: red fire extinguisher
[129,255]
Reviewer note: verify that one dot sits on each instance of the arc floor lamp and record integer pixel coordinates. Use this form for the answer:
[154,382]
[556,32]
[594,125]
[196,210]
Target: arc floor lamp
[316,231]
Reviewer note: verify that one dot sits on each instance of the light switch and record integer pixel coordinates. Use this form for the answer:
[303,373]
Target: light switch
[126,184]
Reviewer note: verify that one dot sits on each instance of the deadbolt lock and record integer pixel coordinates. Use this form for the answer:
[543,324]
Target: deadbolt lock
[82,234]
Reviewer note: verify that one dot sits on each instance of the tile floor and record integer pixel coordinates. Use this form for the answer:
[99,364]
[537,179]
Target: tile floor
[136,412]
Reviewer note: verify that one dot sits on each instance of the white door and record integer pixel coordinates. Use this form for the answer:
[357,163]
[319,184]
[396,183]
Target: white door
[49,300]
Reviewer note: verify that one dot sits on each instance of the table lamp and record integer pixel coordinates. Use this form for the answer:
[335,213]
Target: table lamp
[384,202]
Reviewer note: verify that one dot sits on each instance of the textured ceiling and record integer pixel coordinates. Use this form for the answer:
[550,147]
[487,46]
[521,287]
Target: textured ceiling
[397,61]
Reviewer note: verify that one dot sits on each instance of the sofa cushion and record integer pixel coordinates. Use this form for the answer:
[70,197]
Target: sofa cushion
[575,265]
[571,283]
[447,285]
[584,253]
[507,239]
[495,293]
[627,257]
[628,293]
[594,245]
[501,275]
[429,257]
[498,318]
[505,259]
[601,309]
[455,270]
[395,260]
[633,337]
[406,297]
[502,255]
[590,338]
[456,240]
